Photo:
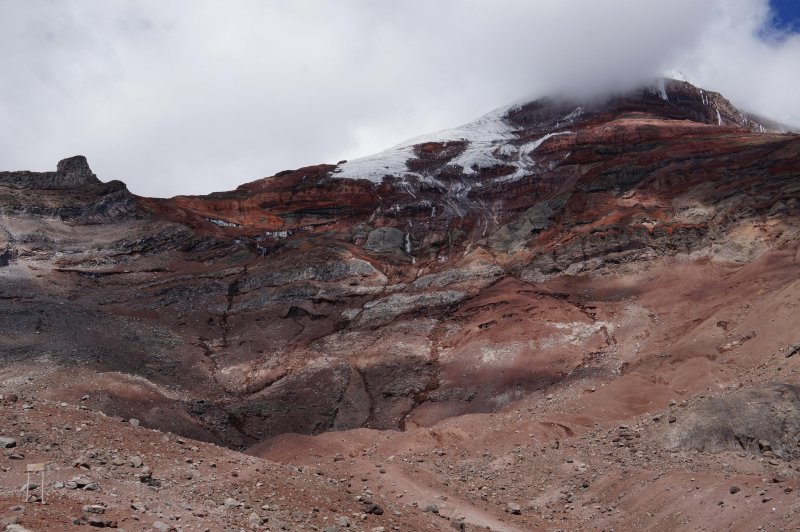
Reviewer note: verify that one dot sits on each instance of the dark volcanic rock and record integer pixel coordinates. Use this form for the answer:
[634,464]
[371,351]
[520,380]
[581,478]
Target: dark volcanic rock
[70,173]
[765,418]
[305,402]
[385,240]
[71,193]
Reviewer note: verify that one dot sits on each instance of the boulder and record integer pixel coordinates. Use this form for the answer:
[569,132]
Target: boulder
[762,419]
[385,240]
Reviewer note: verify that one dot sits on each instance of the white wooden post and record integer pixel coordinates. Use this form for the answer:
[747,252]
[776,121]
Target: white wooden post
[33,468]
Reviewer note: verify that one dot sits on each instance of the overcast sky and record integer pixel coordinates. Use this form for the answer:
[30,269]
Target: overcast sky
[191,96]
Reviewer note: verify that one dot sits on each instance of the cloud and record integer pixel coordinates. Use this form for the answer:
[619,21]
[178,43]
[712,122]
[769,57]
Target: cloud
[190,96]
[743,56]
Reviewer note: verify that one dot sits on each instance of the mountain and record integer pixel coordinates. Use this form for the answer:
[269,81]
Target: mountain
[535,311]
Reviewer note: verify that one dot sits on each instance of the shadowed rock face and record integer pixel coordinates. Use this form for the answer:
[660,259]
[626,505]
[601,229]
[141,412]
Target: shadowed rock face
[71,193]
[764,419]
[395,292]
[70,173]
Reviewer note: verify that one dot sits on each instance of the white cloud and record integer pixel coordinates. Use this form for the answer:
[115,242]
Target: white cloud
[190,96]
[742,56]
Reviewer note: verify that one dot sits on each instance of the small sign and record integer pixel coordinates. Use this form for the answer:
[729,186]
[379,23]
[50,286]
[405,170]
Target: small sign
[34,468]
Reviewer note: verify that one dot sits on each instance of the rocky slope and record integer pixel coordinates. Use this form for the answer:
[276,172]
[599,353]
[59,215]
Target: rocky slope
[541,275]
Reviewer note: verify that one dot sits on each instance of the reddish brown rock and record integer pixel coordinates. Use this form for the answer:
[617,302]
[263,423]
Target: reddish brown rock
[469,326]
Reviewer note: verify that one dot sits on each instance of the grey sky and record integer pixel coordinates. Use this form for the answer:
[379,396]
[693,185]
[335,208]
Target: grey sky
[191,96]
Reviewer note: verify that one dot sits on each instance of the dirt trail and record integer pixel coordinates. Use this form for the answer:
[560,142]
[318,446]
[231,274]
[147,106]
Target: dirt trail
[422,494]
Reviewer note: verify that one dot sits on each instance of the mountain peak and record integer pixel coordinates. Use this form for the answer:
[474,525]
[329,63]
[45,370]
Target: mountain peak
[76,167]
[556,271]
[506,137]
[72,172]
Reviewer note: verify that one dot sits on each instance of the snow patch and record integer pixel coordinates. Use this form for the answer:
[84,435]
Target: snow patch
[478,156]
[573,115]
[507,150]
[223,223]
[531,146]
[278,234]
[391,162]
[676,75]
[662,89]
[525,162]
[482,135]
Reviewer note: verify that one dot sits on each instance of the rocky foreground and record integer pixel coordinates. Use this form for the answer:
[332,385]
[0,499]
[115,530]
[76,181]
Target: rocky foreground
[564,315]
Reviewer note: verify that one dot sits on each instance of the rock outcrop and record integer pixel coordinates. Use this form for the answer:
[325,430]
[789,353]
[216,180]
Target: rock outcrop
[455,274]
[70,173]
[763,419]
[71,193]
